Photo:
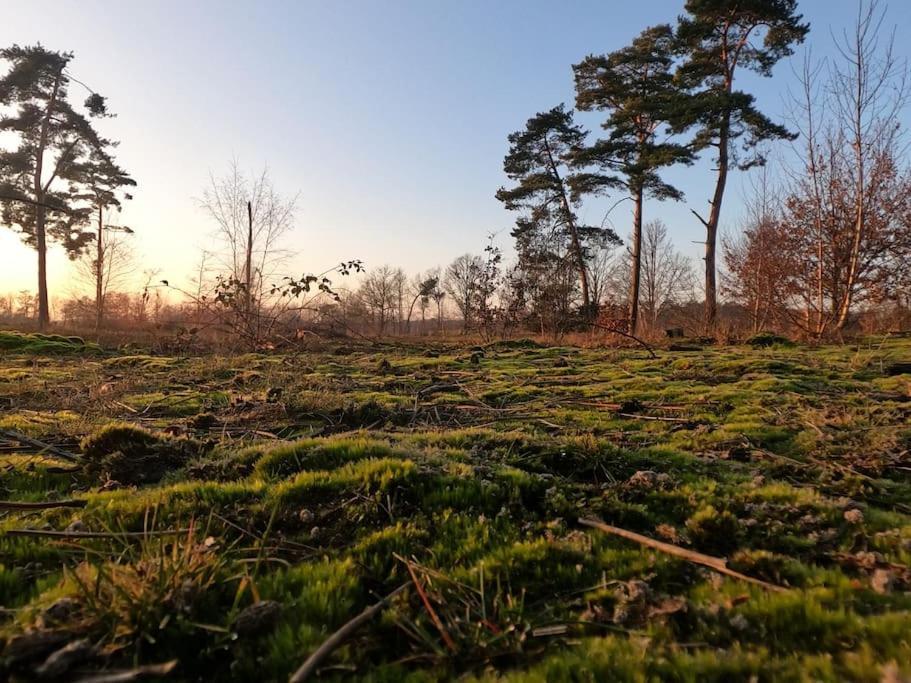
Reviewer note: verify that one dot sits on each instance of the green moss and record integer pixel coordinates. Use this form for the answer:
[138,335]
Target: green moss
[755,454]
[45,344]
[129,454]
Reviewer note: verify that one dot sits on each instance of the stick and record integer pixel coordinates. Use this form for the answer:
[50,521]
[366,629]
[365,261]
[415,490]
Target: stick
[47,505]
[51,533]
[658,418]
[716,563]
[29,441]
[340,636]
[149,671]
[651,351]
[433,615]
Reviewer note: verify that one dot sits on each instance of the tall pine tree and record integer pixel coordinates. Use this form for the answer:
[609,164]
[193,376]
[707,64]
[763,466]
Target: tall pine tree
[635,86]
[538,162]
[38,178]
[717,37]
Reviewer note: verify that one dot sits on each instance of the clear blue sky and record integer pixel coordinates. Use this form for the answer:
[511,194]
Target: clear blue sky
[389,117]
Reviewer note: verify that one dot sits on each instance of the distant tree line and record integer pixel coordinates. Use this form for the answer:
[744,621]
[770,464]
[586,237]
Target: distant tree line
[824,245]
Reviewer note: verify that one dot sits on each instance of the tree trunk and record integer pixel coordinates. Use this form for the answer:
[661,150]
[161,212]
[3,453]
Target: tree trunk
[410,313]
[248,268]
[99,274]
[44,309]
[636,266]
[711,225]
[844,308]
[573,234]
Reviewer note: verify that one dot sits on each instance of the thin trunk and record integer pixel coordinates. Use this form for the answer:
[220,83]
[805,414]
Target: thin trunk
[711,225]
[248,268]
[44,311]
[99,274]
[636,261]
[410,312]
[844,309]
[573,234]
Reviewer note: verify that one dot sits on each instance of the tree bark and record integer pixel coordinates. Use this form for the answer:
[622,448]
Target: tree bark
[844,308]
[636,266]
[573,234]
[711,225]
[248,268]
[44,310]
[99,274]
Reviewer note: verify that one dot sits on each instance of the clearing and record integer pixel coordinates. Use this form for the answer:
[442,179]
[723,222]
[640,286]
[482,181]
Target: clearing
[231,513]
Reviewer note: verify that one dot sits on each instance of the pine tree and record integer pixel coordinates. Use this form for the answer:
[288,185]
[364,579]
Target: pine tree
[35,201]
[100,182]
[538,161]
[717,37]
[635,86]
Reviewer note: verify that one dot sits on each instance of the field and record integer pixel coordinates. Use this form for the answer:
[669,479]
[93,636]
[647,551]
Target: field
[232,513]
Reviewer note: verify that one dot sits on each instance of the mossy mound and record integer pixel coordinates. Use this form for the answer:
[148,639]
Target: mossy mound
[766,339]
[513,344]
[129,454]
[45,344]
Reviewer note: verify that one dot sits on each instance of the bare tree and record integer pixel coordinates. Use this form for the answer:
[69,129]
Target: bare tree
[109,266]
[608,273]
[868,88]
[761,262]
[379,293]
[26,304]
[252,218]
[844,214]
[666,273]
[461,284]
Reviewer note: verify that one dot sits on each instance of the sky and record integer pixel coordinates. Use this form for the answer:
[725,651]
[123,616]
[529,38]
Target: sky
[390,118]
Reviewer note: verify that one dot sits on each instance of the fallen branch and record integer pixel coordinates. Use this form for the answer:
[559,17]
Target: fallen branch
[128,675]
[336,639]
[651,351]
[716,563]
[656,418]
[35,443]
[45,505]
[51,533]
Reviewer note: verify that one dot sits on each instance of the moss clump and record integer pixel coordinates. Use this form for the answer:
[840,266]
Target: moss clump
[315,454]
[767,339]
[129,454]
[713,531]
[45,344]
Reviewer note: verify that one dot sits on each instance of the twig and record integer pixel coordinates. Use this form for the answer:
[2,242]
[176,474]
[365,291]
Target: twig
[35,443]
[651,351]
[51,533]
[656,418]
[715,563]
[340,636]
[433,615]
[45,505]
[139,673]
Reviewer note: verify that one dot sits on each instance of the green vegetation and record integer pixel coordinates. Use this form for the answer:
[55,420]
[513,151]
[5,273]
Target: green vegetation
[47,344]
[316,484]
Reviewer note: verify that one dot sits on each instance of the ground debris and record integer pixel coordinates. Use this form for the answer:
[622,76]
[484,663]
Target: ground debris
[257,619]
